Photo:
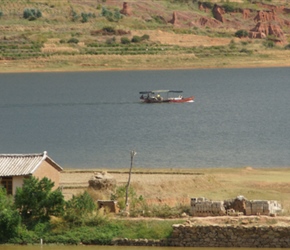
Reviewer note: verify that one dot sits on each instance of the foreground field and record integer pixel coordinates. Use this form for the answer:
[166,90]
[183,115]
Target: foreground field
[174,187]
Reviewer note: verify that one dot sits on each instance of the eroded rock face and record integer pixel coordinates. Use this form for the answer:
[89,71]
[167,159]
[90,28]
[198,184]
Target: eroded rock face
[218,13]
[267,16]
[203,21]
[246,13]
[266,29]
[126,9]
[174,18]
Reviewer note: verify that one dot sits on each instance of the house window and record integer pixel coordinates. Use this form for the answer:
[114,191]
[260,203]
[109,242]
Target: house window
[6,182]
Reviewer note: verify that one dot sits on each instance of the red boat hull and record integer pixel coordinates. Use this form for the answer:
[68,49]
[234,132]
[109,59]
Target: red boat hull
[170,100]
[187,99]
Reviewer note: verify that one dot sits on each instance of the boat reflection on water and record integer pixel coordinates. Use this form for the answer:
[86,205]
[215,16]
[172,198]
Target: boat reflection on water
[164,96]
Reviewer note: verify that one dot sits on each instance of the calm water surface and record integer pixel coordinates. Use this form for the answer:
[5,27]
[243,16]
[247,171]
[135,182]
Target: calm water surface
[240,117]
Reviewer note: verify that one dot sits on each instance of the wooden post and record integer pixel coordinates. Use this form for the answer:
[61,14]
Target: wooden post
[133,153]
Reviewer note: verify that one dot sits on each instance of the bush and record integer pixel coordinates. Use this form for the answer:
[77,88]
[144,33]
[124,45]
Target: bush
[1,13]
[287,46]
[269,44]
[73,40]
[241,33]
[136,39]
[32,14]
[229,7]
[111,40]
[125,40]
[208,5]
[75,16]
[86,16]
[109,29]
[79,208]
[145,37]
[116,16]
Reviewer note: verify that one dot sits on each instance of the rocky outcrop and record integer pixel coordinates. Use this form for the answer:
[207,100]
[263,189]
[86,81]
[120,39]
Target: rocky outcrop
[205,21]
[267,16]
[126,9]
[266,29]
[218,13]
[246,13]
[174,18]
[202,7]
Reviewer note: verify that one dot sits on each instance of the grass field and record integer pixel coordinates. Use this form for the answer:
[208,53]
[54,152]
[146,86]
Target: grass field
[177,186]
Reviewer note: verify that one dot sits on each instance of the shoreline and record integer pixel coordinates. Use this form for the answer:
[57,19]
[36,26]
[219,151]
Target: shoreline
[140,69]
[143,63]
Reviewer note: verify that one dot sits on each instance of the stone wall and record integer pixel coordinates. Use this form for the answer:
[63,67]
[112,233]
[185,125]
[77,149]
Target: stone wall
[230,236]
[219,236]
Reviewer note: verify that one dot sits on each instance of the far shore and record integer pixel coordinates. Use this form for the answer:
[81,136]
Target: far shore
[269,59]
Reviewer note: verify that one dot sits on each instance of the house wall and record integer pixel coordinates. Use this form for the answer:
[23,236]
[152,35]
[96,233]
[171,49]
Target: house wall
[17,181]
[46,170]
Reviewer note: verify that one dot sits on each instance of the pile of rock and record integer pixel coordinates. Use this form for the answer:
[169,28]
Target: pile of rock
[102,181]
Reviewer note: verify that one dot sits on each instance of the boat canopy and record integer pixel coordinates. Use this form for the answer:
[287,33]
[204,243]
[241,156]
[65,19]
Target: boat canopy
[159,91]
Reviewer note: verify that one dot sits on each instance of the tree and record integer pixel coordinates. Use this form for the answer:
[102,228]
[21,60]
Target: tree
[36,201]
[9,217]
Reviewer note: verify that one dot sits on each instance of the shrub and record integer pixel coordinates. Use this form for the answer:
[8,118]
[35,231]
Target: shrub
[73,40]
[229,7]
[79,208]
[287,46]
[120,194]
[269,44]
[249,52]
[86,16]
[125,40]
[208,5]
[116,16]
[1,13]
[31,14]
[109,29]
[111,40]
[241,33]
[159,19]
[145,37]
[136,39]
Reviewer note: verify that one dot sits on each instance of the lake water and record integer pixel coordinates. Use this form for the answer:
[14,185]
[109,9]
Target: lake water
[240,117]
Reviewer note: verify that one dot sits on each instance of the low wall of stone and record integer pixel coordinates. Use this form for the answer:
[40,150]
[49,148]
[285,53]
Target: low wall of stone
[219,236]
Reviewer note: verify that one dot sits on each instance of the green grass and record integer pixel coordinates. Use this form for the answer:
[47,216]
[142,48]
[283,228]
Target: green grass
[102,233]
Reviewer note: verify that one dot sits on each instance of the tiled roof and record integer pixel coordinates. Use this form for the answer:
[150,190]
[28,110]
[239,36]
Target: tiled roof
[23,164]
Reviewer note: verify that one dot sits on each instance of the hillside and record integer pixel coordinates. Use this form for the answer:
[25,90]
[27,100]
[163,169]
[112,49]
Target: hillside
[51,35]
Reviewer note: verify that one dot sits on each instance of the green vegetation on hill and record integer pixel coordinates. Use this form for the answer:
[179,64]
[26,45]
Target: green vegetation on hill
[46,29]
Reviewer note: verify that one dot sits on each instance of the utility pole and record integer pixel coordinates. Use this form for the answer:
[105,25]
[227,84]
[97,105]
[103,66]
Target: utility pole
[133,153]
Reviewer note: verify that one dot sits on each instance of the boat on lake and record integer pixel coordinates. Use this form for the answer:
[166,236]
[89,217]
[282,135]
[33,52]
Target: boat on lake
[164,96]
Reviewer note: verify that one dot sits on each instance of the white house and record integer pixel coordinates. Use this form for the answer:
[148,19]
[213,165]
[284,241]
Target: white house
[14,168]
